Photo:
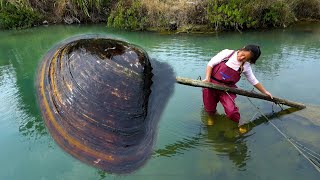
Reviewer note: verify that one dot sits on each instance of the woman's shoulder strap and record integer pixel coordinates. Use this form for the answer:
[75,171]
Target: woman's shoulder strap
[229,56]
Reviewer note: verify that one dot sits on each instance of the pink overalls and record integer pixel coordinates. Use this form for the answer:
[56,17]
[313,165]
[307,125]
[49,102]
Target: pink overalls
[223,75]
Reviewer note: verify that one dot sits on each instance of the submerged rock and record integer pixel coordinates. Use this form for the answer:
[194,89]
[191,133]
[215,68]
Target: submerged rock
[93,94]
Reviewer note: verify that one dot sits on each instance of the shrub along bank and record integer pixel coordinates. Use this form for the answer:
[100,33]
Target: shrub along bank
[183,15]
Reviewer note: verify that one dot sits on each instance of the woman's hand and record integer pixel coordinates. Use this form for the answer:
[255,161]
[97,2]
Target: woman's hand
[269,94]
[206,80]
[263,90]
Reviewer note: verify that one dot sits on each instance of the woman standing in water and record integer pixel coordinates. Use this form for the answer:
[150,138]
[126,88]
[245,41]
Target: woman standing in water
[226,68]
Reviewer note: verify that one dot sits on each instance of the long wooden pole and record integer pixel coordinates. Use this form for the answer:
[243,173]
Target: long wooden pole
[197,83]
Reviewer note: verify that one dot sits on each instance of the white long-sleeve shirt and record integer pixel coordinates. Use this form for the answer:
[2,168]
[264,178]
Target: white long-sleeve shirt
[234,64]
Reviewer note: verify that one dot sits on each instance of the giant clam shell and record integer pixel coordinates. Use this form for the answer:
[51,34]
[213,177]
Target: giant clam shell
[93,95]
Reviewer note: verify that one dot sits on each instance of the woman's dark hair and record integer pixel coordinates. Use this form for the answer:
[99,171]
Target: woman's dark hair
[255,51]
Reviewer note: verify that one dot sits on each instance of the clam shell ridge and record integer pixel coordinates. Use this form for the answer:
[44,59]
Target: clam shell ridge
[93,96]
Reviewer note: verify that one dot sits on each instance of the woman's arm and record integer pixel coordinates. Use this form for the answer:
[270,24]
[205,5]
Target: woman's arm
[262,89]
[208,74]
[253,80]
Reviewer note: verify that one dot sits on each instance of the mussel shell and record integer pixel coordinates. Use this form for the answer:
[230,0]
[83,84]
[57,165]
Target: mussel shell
[93,95]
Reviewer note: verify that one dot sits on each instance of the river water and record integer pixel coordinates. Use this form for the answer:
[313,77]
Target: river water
[186,147]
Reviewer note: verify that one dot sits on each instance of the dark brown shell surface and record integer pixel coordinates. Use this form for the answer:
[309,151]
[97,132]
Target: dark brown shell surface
[93,94]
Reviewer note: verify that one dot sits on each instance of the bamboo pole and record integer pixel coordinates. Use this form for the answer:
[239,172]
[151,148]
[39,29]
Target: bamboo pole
[197,83]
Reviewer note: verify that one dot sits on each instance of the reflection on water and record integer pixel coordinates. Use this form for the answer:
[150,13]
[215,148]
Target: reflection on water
[219,134]
[224,137]
[30,123]
[13,104]
[226,140]
[9,93]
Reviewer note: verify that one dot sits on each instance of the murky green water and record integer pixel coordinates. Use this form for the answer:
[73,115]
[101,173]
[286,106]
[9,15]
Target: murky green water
[186,148]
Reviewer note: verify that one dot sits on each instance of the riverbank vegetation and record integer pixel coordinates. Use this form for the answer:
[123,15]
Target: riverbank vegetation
[181,15]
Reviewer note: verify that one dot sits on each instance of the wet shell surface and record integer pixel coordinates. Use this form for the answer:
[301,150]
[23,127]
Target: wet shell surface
[93,94]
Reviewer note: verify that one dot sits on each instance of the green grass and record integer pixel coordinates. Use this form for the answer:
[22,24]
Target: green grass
[158,14]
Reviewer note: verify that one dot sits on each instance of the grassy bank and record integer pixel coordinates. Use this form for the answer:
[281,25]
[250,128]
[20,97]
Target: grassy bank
[181,15]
